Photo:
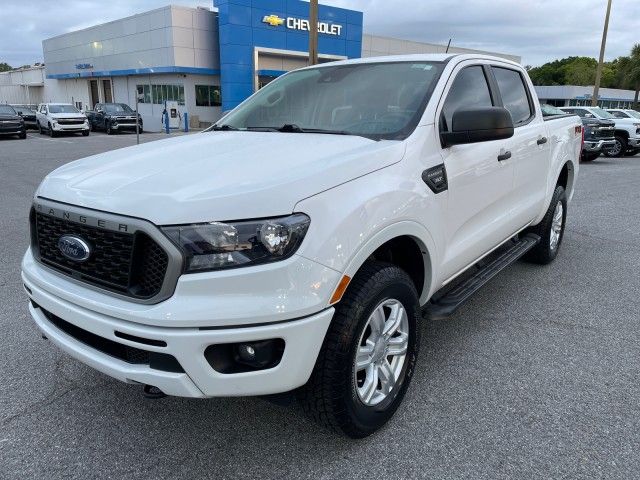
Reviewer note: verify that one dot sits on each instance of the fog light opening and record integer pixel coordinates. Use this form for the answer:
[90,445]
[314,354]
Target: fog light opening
[245,356]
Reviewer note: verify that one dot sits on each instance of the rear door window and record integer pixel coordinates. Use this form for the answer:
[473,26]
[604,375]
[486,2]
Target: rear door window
[514,94]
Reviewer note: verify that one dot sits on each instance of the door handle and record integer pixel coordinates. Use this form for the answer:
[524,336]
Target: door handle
[504,156]
[542,140]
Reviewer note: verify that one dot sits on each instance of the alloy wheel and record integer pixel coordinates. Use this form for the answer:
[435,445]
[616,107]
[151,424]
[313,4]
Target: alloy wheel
[382,351]
[556,226]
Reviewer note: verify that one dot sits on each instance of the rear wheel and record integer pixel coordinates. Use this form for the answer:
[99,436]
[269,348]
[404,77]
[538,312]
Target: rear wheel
[369,353]
[618,149]
[550,230]
[590,156]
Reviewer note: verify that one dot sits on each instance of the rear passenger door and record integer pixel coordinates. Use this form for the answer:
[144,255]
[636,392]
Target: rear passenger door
[529,146]
[480,185]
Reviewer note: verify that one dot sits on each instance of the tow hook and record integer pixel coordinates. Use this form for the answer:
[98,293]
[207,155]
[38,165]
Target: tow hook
[153,393]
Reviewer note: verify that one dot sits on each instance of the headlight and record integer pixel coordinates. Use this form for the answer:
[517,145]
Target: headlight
[214,246]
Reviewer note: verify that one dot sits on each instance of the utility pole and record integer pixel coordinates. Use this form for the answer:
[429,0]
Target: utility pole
[313,32]
[596,88]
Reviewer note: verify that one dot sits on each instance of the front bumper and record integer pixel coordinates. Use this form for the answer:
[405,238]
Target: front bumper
[634,142]
[12,130]
[125,126]
[71,128]
[596,146]
[303,334]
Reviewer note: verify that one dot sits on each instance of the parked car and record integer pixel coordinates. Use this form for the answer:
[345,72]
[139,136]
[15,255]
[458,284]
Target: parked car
[294,245]
[598,134]
[624,113]
[28,115]
[113,118]
[11,123]
[56,118]
[627,130]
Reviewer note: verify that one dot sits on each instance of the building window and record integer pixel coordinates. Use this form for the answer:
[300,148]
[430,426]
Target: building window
[208,96]
[158,94]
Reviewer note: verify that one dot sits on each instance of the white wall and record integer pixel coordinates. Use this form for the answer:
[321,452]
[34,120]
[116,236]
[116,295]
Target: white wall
[375,46]
[124,89]
[168,36]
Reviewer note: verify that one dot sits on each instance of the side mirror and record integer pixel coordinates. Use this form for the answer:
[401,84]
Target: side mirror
[478,124]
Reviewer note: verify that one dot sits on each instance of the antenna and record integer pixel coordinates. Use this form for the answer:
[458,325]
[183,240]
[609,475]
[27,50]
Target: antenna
[448,45]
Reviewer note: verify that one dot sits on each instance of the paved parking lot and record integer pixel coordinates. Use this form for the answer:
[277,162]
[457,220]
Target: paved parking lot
[537,377]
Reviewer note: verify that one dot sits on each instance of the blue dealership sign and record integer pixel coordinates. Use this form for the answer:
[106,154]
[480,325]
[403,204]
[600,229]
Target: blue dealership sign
[245,25]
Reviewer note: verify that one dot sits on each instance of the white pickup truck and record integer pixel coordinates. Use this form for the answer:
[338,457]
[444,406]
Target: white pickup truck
[627,129]
[297,245]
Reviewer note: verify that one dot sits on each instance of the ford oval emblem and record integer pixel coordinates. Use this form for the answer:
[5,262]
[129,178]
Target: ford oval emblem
[74,248]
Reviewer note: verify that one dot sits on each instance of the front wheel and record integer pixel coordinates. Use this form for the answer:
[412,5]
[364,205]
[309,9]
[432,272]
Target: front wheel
[85,133]
[52,133]
[369,353]
[550,229]
[108,129]
[618,149]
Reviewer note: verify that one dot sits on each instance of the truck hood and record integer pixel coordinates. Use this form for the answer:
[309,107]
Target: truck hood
[68,115]
[217,176]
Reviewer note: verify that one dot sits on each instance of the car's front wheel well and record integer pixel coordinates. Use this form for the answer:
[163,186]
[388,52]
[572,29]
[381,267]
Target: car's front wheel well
[406,253]
[622,133]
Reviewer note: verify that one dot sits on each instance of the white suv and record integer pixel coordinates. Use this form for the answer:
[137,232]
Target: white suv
[56,118]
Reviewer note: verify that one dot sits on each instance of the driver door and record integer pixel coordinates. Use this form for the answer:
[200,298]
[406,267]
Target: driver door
[479,183]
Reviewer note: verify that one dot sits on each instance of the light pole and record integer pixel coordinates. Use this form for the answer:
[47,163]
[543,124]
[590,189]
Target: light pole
[596,87]
[137,117]
[313,32]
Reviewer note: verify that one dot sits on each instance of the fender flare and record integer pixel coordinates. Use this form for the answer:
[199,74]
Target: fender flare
[404,228]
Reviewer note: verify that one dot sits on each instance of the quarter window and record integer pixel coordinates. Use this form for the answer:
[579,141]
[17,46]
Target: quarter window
[514,94]
[469,89]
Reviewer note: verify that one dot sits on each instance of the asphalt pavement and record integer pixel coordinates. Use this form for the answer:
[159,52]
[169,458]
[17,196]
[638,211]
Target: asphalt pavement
[538,376]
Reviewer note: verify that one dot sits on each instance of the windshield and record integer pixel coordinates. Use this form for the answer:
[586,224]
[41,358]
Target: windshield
[600,113]
[375,100]
[117,108]
[7,110]
[63,109]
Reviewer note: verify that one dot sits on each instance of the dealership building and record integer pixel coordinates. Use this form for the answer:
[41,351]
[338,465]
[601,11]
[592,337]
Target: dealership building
[572,96]
[207,60]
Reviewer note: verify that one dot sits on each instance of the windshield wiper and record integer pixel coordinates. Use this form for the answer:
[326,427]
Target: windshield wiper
[293,128]
[224,127]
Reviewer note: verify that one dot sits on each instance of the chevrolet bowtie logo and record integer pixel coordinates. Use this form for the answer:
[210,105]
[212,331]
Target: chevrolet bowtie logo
[273,20]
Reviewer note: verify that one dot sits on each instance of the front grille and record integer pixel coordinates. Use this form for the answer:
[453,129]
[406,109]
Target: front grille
[70,121]
[132,264]
[126,353]
[603,132]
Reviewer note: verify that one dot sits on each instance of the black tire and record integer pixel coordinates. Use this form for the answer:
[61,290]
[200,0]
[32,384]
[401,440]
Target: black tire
[23,135]
[619,149]
[544,252]
[590,156]
[85,133]
[108,129]
[330,396]
[40,131]
[51,132]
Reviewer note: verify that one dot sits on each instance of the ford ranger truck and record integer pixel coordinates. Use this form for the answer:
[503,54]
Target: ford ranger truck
[296,246]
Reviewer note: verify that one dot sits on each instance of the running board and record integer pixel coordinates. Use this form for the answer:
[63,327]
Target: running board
[447,304]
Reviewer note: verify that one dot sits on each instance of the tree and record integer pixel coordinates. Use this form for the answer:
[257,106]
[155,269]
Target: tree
[5,67]
[633,72]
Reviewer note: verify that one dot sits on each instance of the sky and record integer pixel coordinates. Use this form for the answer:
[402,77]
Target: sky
[536,30]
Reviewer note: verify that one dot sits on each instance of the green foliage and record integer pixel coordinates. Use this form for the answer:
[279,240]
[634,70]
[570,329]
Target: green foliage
[5,67]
